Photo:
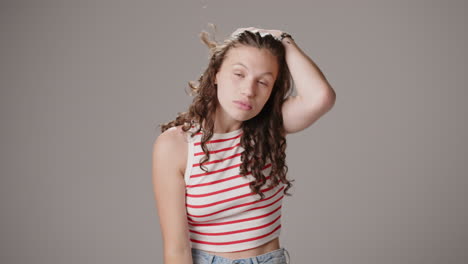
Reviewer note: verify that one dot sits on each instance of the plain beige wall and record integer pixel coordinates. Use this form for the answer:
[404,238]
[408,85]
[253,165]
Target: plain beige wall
[381,178]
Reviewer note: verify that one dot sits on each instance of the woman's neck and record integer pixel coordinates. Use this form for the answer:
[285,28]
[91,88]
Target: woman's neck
[224,128]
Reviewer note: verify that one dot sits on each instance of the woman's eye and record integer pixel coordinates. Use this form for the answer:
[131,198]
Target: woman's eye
[241,76]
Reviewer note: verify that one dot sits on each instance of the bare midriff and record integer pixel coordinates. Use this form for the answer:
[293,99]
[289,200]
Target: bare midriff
[263,249]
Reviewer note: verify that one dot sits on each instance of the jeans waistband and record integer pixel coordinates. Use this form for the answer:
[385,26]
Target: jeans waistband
[255,259]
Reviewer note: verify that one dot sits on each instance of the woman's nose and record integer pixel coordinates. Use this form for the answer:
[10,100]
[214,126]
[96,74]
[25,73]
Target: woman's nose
[249,88]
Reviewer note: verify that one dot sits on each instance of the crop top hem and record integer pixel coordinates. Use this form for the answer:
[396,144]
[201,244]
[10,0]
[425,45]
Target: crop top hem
[237,247]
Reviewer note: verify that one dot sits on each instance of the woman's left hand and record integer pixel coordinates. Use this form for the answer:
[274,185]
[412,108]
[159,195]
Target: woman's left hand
[274,32]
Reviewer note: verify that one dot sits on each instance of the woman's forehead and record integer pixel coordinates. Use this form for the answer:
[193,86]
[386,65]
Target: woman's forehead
[251,58]
[247,52]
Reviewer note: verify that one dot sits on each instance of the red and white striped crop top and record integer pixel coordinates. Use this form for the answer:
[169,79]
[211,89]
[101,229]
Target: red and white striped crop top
[223,214]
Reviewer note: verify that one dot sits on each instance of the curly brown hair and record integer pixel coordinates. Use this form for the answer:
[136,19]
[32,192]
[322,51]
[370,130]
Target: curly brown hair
[263,136]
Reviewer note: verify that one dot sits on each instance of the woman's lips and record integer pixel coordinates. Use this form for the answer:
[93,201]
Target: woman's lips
[243,105]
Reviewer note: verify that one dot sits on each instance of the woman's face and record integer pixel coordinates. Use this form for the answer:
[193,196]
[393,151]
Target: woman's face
[245,81]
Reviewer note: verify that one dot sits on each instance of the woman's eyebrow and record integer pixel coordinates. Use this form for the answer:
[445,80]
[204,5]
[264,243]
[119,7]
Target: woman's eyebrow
[239,63]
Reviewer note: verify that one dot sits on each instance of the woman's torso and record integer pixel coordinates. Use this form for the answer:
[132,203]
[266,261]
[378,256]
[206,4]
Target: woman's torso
[181,156]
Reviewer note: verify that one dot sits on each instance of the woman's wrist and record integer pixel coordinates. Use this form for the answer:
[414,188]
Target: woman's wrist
[287,42]
[286,39]
[285,35]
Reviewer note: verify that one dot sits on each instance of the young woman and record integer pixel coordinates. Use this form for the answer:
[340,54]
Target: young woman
[219,170]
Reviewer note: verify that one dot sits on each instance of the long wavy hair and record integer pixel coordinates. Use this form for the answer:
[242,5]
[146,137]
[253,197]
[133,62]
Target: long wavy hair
[263,137]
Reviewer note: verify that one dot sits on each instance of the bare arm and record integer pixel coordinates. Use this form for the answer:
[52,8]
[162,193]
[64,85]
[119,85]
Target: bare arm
[314,97]
[169,191]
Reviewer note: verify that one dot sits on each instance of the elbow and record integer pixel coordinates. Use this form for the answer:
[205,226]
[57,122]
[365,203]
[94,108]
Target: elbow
[177,248]
[177,255]
[326,101]
[330,98]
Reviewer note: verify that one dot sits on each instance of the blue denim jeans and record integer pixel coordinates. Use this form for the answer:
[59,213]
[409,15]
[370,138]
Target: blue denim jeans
[279,256]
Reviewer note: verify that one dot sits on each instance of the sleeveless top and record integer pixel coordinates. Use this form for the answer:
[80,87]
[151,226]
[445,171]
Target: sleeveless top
[223,214]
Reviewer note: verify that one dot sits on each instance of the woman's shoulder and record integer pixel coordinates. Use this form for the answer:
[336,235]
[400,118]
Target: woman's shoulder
[174,138]
[173,143]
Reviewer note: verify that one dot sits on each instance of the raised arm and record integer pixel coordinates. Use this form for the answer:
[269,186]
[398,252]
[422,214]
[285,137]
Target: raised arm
[169,192]
[314,96]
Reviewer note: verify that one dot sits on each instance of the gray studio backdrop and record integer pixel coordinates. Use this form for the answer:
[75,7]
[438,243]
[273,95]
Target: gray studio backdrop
[381,178]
